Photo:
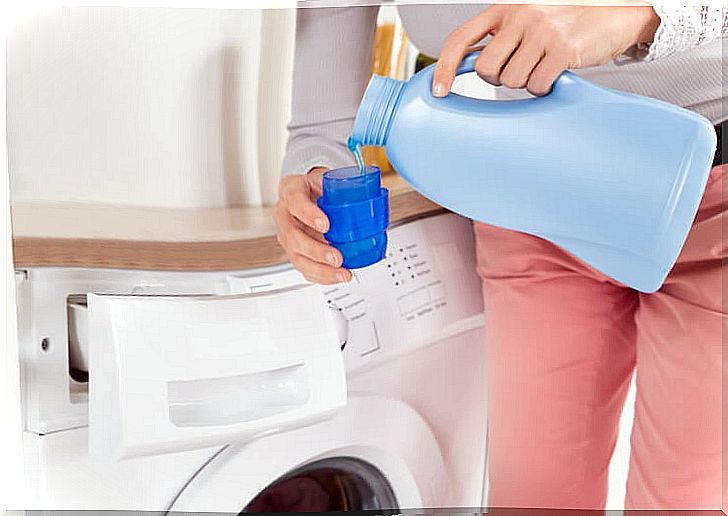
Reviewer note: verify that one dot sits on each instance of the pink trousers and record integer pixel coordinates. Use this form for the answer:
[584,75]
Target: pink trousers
[564,341]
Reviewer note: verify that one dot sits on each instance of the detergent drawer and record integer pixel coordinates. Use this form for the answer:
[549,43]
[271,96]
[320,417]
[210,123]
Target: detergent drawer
[172,373]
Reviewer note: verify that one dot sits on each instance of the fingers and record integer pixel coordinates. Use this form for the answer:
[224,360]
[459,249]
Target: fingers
[544,75]
[320,273]
[297,238]
[456,45]
[297,194]
[495,55]
[521,64]
[531,45]
[305,210]
[315,180]
[313,245]
[301,224]
[307,250]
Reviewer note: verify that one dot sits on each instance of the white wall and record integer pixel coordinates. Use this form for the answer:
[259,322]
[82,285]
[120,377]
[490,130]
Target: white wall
[149,106]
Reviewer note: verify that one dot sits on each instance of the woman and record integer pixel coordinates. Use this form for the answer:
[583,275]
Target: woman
[563,339]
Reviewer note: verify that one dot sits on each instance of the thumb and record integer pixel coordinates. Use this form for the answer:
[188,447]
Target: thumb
[315,178]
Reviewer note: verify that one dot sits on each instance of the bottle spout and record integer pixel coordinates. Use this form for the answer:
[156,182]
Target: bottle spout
[376,112]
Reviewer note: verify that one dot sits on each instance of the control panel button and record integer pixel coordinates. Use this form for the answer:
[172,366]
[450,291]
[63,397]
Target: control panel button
[437,291]
[417,299]
[373,343]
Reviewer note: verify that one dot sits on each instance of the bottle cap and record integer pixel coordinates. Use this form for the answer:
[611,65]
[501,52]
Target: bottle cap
[358,210]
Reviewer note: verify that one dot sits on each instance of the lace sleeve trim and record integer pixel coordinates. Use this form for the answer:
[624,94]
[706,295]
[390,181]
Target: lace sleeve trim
[683,27]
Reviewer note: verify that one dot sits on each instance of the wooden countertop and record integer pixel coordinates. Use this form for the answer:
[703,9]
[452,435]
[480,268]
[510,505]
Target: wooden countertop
[127,237]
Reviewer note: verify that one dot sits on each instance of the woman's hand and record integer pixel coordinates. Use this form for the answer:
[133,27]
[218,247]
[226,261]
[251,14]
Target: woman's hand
[533,44]
[301,225]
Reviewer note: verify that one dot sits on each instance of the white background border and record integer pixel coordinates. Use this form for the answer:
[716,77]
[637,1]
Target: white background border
[11,478]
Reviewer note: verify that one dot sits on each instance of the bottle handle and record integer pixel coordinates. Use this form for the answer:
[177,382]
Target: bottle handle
[468,63]
[567,81]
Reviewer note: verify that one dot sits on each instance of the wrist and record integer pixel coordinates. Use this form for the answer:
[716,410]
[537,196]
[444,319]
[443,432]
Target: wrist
[649,23]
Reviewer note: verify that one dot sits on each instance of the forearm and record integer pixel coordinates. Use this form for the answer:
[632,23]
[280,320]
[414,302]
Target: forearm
[317,145]
[331,68]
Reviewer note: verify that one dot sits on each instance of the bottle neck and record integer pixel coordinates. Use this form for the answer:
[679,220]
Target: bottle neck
[376,112]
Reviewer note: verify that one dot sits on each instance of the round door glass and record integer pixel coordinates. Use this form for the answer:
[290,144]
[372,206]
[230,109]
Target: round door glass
[337,484]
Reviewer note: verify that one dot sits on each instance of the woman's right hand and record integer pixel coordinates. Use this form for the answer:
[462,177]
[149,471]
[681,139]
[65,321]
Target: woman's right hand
[301,227]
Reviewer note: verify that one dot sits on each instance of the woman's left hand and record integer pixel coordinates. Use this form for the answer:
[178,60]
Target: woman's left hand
[533,44]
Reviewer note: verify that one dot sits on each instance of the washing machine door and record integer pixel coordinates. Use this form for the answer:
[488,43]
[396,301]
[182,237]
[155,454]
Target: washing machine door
[179,373]
[375,454]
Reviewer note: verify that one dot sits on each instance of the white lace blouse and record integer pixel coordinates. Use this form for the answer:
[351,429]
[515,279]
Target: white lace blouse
[684,65]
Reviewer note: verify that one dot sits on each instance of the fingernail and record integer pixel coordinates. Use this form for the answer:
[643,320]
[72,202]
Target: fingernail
[320,225]
[438,90]
[331,258]
[341,277]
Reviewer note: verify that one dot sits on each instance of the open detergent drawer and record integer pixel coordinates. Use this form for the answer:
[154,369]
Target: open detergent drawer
[178,373]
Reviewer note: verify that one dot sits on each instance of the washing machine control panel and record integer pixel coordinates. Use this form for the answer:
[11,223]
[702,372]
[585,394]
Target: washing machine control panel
[425,290]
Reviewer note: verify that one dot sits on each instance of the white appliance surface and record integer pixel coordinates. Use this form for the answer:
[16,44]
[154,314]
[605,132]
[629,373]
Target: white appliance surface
[224,391]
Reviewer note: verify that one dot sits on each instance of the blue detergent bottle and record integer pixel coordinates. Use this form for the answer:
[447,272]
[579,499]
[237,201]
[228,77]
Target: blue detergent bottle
[613,178]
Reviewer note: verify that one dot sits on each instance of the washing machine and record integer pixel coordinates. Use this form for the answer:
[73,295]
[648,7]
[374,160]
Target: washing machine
[255,391]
